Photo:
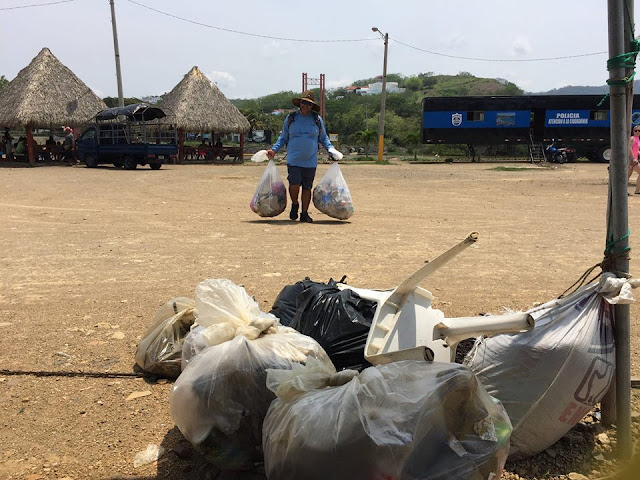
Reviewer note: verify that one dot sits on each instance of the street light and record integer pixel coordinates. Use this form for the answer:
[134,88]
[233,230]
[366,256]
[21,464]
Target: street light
[383,94]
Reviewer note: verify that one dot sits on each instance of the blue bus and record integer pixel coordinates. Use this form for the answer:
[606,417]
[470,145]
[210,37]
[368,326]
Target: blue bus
[576,121]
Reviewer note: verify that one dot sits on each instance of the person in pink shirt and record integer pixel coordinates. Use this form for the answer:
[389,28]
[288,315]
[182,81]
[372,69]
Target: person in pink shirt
[634,149]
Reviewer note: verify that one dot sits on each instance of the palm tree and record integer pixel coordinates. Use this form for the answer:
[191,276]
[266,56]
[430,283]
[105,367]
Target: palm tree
[413,139]
[366,136]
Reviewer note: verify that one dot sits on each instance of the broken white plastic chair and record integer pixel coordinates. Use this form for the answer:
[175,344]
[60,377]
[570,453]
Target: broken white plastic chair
[406,327]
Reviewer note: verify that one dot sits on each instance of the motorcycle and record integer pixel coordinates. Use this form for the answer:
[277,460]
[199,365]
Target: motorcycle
[559,155]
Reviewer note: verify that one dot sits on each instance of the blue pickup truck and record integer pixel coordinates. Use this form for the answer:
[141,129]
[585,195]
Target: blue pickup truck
[127,137]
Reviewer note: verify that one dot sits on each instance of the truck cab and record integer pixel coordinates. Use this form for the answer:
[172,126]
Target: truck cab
[129,136]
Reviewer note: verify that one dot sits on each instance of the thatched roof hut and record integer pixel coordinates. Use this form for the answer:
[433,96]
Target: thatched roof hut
[198,105]
[46,93]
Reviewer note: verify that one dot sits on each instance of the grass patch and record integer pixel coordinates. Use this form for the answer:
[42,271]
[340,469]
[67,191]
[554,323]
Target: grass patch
[512,169]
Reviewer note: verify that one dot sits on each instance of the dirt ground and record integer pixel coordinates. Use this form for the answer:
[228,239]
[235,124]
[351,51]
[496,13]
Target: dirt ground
[89,255]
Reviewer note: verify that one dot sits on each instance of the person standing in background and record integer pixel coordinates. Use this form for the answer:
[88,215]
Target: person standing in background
[634,148]
[302,131]
[8,145]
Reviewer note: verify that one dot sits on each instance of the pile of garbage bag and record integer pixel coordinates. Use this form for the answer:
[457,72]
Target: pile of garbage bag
[404,420]
[160,350]
[332,196]
[220,400]
[270,198]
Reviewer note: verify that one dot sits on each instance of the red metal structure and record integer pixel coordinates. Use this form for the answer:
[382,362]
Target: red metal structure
[306,81]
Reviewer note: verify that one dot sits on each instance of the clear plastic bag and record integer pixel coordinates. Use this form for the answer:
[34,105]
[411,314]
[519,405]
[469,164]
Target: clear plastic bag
[405,420]
[220,400]
[332,196]
[270,198]
[160,349]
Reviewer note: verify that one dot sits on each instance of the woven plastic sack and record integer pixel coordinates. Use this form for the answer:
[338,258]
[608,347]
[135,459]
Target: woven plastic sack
[332,196]
[550,377]
[270,198]
[404,420]
[220,400]
[160,349]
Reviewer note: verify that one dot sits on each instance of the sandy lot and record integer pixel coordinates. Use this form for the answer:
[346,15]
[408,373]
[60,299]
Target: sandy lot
[90,254]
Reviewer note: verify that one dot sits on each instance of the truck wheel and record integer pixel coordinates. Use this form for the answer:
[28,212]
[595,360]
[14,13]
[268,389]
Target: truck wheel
[604,154]
[130,163]
[90,162]
[118,164]
[155,166]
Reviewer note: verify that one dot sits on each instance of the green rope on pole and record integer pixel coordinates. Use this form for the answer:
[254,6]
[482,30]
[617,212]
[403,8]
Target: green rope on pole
[624,60]
[610,245]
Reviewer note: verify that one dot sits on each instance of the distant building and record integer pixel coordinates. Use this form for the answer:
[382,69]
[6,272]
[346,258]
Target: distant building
[376,88]
[151,99]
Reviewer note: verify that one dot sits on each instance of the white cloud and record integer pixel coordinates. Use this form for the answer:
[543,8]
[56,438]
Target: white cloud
[224,80]
[520,46]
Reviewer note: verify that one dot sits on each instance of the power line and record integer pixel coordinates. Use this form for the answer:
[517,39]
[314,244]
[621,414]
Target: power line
[37,5]
[497,59]
[247,33]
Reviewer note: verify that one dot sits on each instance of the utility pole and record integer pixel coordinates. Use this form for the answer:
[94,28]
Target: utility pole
[117,51]
[383,94]
[617,221]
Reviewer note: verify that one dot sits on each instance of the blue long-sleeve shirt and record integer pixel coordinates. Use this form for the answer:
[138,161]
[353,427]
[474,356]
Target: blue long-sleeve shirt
[302,137]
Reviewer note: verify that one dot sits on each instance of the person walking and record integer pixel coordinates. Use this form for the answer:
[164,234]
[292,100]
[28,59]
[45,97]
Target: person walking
[302,131]
[634,149]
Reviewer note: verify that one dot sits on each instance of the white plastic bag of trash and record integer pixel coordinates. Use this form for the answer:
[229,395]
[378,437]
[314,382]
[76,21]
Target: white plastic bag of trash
[260,156]
[552,376]
[332,196]
[407,420]
[160,350]
[150,455]
[270,198]
[220,399]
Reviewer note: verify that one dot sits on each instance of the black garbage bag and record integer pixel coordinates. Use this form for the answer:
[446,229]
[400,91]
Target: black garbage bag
[339,320]
[286,303]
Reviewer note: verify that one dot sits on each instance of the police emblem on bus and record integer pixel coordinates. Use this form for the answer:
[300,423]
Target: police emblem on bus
[456,119]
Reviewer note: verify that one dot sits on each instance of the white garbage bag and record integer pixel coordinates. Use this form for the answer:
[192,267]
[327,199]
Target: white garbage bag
[550,377]
[404,420]
[220,400]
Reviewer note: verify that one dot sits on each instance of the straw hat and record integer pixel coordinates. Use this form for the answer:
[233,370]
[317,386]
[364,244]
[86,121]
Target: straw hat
[308,96]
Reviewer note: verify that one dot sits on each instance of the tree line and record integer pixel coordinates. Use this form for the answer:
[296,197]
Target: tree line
[354,117]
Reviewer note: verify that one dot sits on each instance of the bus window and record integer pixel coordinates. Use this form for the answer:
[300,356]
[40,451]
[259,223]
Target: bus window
[506,119]
[475,116]
[599,115]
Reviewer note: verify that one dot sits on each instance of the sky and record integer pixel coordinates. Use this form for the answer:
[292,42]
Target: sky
[255,48]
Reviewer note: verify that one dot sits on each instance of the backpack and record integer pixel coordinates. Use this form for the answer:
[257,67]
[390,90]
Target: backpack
[316,117]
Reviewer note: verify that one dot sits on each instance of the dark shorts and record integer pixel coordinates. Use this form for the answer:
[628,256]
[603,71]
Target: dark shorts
[301,176]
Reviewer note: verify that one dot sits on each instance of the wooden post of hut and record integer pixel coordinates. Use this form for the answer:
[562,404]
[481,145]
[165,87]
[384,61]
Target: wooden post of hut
[180,145]
[31,150]
[242,147]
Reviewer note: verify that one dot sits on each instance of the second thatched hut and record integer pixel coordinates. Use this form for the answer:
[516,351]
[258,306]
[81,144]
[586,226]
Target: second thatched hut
[198,105]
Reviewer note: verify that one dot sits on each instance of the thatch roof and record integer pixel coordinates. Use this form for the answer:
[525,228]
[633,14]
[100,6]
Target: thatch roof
[47,93]
[198,105]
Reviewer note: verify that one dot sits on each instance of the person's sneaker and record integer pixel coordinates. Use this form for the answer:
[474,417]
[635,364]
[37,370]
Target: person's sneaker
[293,215]
[304,217]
